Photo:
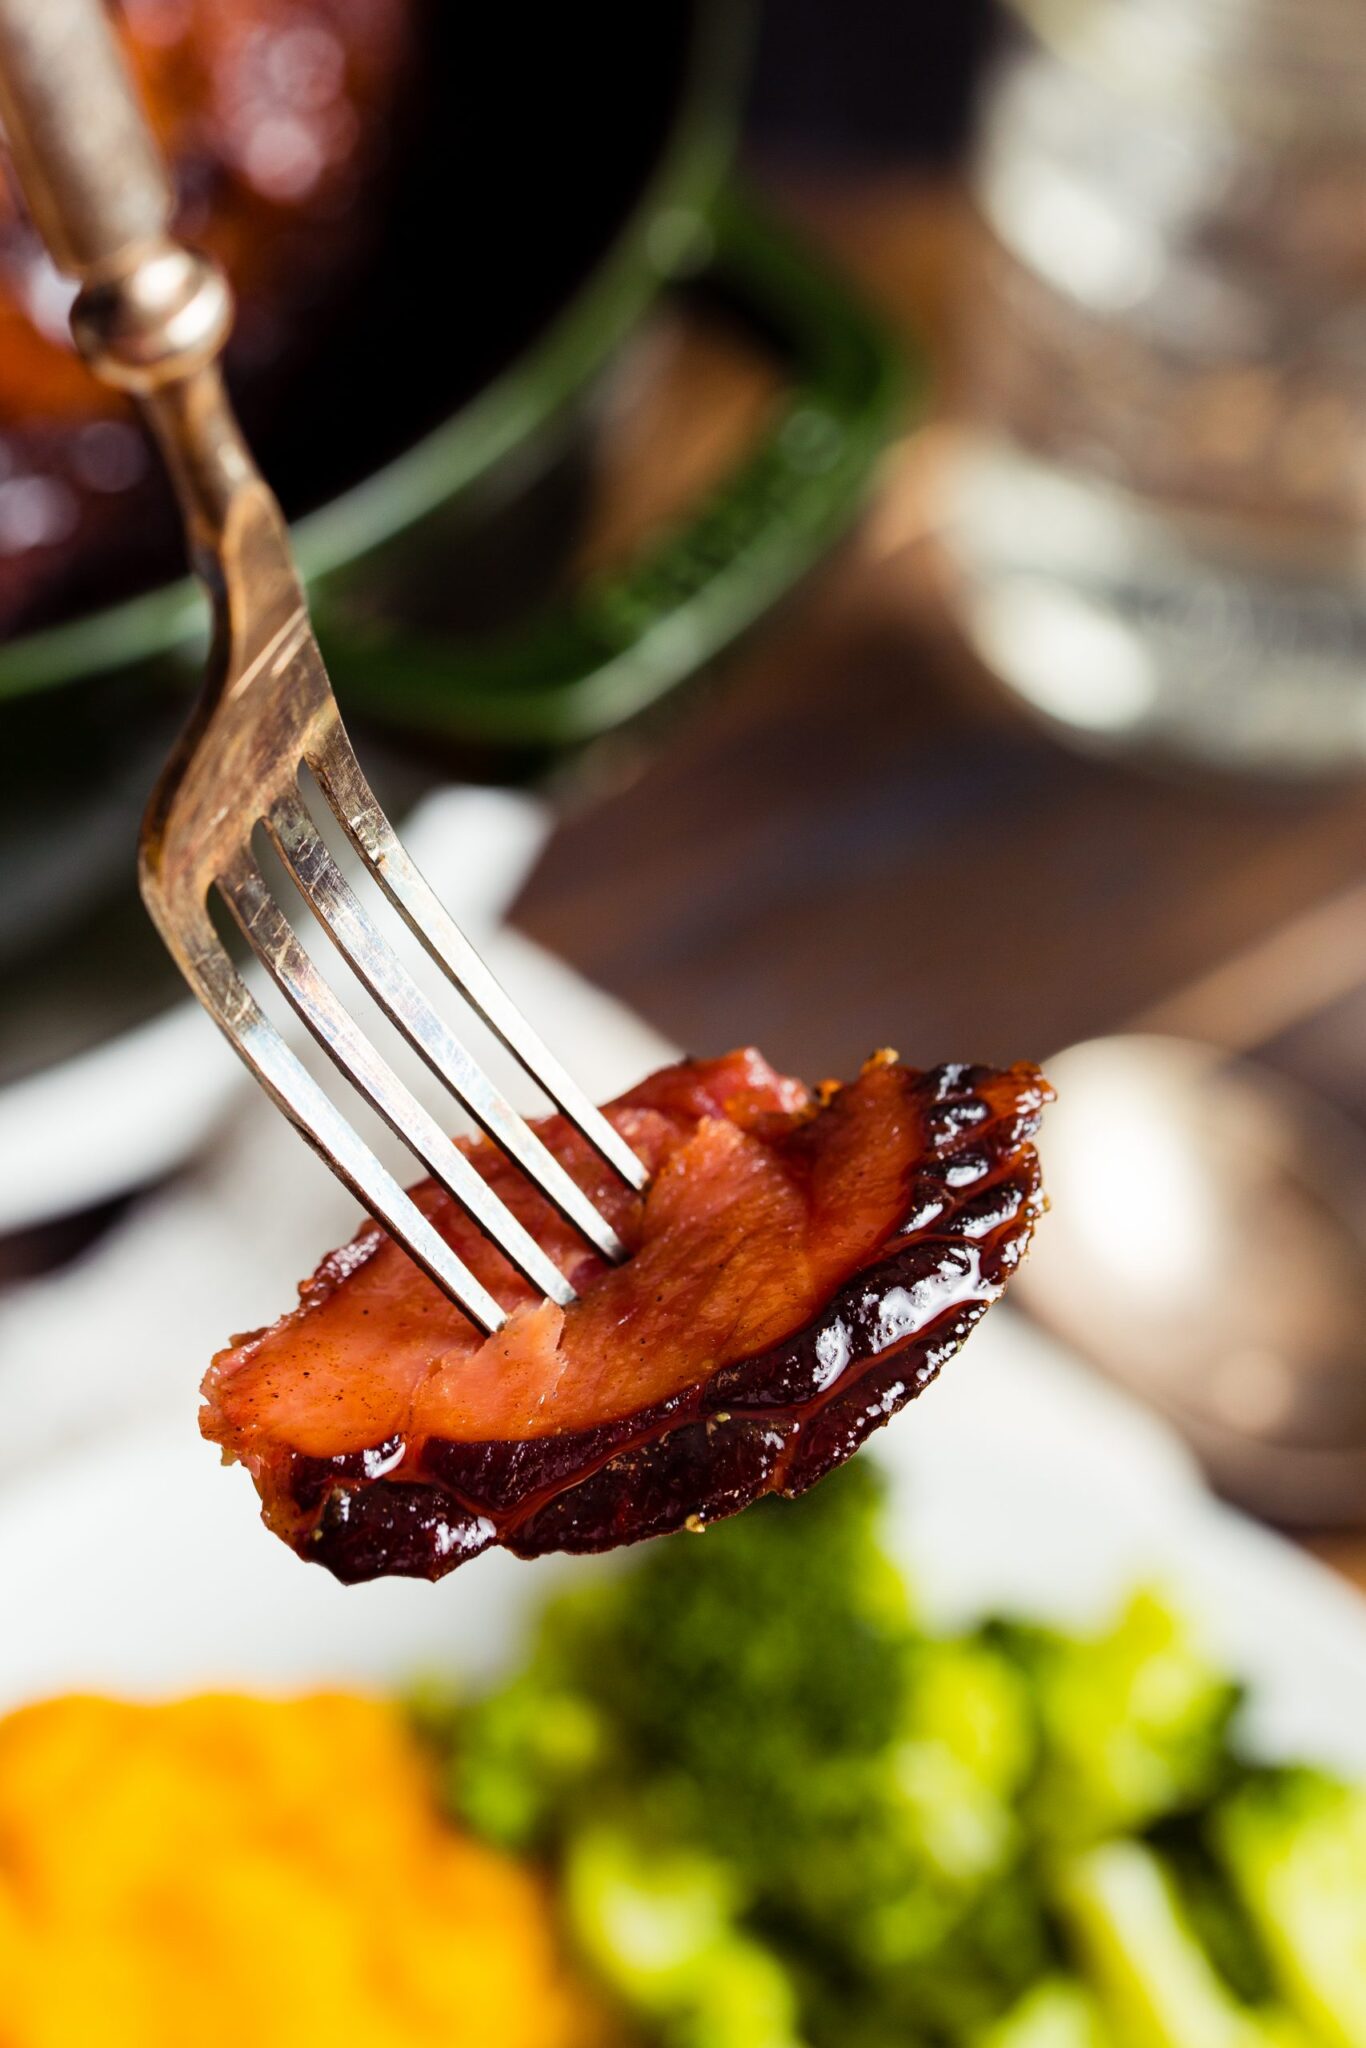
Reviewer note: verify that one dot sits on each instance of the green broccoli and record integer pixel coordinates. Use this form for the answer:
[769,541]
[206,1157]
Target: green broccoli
[759,1697]
[1057,2012]
[783,1816]
[661,1931]
[748,1677]
[992,1944]
[522,1755]
[747,1661]
[1156,1985]
[1133,1722]
[1212,1908]
[967,1697]
[1294,1845]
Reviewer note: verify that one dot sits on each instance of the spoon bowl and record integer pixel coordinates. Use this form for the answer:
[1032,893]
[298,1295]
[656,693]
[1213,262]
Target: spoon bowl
[1207,1248]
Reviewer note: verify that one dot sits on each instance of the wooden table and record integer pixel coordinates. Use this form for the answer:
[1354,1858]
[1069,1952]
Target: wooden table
[860,840]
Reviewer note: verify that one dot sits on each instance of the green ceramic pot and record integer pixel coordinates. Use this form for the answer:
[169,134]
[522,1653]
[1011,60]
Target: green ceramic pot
[85,703]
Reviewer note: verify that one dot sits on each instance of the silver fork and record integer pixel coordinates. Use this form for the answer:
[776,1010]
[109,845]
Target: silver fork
[151,318]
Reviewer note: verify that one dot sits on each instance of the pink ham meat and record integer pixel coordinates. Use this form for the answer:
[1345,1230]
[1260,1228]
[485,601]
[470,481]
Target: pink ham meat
[800,1266]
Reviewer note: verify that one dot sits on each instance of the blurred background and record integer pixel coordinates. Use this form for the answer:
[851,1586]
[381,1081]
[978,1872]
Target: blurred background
[833,524]
[888,486]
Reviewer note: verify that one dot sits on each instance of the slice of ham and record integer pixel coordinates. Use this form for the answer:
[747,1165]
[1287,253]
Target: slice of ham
[799,1267]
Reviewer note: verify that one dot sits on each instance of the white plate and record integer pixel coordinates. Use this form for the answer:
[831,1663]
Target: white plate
[134,1108]
[139,1566]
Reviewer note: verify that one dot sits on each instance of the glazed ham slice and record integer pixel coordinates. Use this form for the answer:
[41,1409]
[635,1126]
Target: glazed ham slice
[800,1266]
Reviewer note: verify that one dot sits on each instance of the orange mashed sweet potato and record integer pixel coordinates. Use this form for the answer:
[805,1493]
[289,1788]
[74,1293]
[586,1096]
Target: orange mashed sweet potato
[225,1870]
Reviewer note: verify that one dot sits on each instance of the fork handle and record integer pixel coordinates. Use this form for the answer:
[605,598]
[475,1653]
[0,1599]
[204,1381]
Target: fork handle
[149,311]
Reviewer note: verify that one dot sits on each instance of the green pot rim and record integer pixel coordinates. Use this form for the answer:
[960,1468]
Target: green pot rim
[662,236]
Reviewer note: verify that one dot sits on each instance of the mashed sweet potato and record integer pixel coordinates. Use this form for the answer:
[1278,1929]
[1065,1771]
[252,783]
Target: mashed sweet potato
[225,1870]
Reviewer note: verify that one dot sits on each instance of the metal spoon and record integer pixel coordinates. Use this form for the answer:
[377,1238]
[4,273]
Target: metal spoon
[1207,1241]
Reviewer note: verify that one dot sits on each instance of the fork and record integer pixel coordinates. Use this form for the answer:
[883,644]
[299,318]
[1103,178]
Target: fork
[150,318]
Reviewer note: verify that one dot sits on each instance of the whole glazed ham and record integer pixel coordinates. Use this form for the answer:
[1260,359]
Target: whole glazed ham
[799,1267]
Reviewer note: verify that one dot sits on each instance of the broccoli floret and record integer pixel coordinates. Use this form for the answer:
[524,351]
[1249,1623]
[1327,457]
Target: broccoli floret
[950,1924]
[748,1678]
[745,1661]
[1294,1845]
[645,1919]
[522,1757]
[972,1701]
[1156,1985]
[1133,1723]
[997,1943]
[759,1697]
[783,1817]
[1212,1908]
[661,1931]
[1057,2013]
[777,1709]
[961,1829]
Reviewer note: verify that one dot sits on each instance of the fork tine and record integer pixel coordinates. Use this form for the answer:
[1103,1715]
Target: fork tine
[277,946]
[355,806]
[349,927]
[318,1120]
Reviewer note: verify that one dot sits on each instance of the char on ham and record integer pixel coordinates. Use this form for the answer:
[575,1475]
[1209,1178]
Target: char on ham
[801,1264]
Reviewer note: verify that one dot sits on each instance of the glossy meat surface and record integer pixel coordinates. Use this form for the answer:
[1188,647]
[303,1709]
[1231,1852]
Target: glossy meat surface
[799,1267]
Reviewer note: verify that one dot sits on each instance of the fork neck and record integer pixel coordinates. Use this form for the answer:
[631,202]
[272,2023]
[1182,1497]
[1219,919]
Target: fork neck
[153,326]
[208,459]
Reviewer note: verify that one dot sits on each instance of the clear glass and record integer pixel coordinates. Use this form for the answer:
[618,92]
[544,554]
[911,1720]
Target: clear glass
[1159,515]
